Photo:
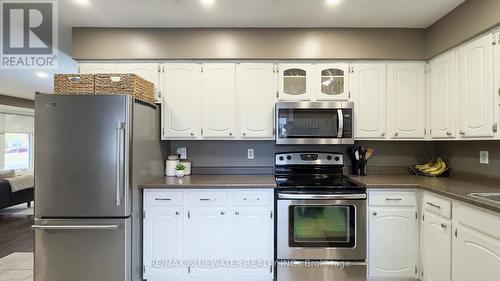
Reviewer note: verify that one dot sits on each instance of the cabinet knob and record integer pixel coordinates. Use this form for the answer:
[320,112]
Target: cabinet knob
[192,134]
[222,213]
[374,213]
[448,133]
[443,225]
[396,134]
[382,134]
[237,213]
[177,213]
[462,132]
[230,133]
[244,134]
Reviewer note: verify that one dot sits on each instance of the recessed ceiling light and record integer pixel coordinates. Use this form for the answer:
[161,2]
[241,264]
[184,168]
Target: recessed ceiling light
[207,3]
[333,2]
[82,2]
[42,74]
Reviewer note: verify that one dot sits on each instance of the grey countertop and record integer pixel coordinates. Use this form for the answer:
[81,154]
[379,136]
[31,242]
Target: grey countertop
[213,181]
[455,189]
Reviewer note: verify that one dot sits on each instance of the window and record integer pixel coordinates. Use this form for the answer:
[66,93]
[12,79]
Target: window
[16,138]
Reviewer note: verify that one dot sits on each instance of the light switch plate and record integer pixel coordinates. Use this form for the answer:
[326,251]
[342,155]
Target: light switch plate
[483,157]
[182,152]
[250,154]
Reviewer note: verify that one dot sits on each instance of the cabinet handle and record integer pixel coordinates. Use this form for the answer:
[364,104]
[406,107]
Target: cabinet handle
[230,133]
[177,213]
[192,134]
[448,133]
[393,199]
[251,199]
[374,213]
[433,205]
[443,225]
[237,213]
[244,134]
[462,133]
[382,134]
[163,199]
[396,134]
[205,199]
[222,213]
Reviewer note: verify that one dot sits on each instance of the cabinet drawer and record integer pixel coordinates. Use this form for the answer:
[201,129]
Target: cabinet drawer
[437,205]
[383,198]
[154,198]
[250,198]
[209,198]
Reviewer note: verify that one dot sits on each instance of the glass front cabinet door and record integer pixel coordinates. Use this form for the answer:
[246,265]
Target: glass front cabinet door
[296,81]
[331,81]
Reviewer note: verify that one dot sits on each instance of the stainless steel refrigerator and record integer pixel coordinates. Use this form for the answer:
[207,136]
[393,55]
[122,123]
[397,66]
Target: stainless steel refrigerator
[91,152]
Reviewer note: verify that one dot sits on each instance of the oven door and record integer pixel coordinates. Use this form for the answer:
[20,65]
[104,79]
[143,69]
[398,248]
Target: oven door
[321,227]
[314,123]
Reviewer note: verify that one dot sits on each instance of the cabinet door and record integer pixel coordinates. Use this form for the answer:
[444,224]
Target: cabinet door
[393,241]
[331,81]
[296,81]
[406,88]
[476,256]
[148,71]
[444,94]
[209,240]
[436,248]
[181,100]
[97,68]
[370,100]
[256,89]
[476,88]
[219,100]
[163,242]
[252,241]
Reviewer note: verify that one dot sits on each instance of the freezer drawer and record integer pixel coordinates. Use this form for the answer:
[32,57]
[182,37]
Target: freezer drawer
[321,271]
[82,250]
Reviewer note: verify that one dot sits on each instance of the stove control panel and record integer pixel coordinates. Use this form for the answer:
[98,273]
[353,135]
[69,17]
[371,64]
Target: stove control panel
[309,158]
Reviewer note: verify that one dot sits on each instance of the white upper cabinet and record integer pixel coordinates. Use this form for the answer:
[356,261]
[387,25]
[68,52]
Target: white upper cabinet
[406,88]
[476,115]
[369,86]
[181,100]
[392,242]
[256,93]
[97,68]
[443,96]
[219,100]
[436,248]
[148,71]
[296,81]
[331,81]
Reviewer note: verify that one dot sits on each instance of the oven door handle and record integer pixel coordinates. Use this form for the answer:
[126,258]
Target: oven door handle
[321,196]
[340,116]
[337,264]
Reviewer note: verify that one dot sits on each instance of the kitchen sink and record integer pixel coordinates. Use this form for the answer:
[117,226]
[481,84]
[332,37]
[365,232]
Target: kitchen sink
[491,196]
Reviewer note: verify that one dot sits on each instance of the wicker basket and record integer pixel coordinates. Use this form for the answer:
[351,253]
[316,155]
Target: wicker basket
[74,84]
[124,84]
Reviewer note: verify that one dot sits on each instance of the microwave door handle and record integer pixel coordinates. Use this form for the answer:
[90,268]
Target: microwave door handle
[340,116]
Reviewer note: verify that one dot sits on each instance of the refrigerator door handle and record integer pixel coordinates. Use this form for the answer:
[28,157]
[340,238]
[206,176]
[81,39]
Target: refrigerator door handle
[119,129]
[75,227]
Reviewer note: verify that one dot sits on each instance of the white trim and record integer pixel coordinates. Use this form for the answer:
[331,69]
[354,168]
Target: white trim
[7,109]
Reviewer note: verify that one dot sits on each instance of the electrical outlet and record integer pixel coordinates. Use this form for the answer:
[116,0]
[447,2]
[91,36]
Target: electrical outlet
[483,157]
[250,153]
[182,152]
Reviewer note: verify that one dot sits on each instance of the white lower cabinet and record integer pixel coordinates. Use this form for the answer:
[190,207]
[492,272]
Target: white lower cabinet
[210,235]
[476,245]
[436,247]
[392,235]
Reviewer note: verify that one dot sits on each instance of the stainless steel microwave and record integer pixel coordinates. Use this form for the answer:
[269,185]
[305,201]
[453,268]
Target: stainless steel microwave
[323,122]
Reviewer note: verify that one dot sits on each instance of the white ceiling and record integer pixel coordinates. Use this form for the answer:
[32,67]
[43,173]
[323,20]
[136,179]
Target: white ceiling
[223,13]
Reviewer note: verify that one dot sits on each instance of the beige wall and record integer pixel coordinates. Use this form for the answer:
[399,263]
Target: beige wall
[471,18]
[247,43]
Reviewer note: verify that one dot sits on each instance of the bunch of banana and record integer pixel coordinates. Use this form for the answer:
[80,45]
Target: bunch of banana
[433,169]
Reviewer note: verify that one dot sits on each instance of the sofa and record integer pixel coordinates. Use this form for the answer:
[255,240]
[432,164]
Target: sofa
[9,198]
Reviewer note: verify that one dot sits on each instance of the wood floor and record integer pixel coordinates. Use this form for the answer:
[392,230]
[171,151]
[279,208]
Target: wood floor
[15,234]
